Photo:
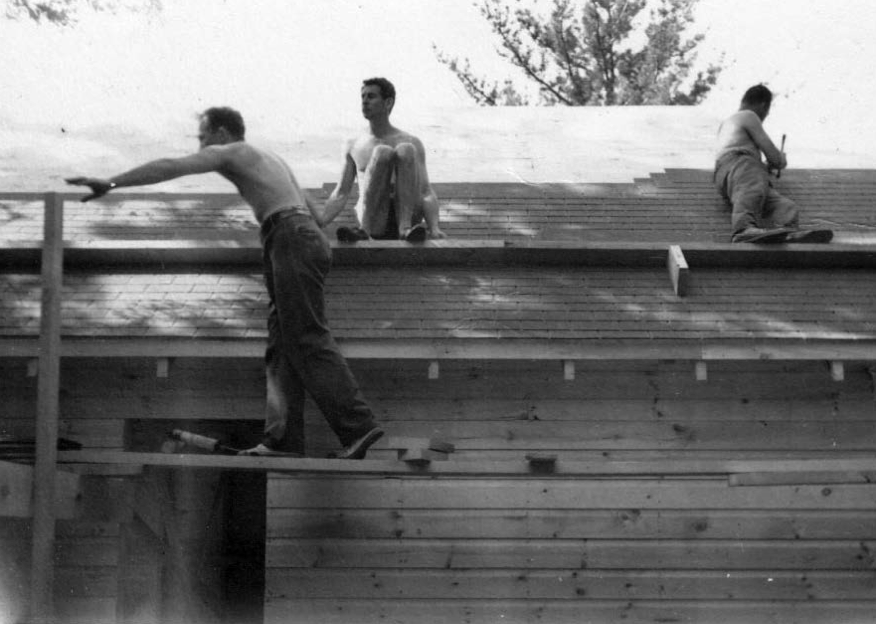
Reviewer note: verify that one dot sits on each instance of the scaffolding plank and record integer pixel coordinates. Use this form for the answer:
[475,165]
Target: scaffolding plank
[516,467]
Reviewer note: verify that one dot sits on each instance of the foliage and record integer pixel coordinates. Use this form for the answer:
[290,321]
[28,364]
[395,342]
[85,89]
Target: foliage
[580,53]
[66,12]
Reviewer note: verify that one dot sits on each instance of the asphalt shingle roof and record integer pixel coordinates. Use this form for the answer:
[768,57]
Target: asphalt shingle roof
[436,302]
[678,205]
[462,302]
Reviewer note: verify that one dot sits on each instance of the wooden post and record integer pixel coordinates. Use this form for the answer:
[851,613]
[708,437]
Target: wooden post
[43,539]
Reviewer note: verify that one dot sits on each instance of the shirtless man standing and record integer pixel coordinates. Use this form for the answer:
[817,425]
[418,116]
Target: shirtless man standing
[743,179]
[301,353]
[395,195]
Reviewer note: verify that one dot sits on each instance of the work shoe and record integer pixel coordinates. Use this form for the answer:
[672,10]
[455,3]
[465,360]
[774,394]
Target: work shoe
[261,450]
[810,236]
[416,234]
[761,235]
[351,234]
[358,448]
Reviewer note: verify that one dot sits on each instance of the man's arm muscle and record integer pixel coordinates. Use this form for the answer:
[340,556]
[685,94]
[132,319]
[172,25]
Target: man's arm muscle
[163,169]
[425,185]
[338,199]
[755,130]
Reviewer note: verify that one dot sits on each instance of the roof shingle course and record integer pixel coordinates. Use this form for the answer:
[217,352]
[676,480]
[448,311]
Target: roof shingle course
[455,302]
[436,302]
[678,204]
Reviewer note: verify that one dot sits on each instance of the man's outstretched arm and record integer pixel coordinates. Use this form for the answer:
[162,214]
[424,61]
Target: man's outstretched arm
[153,172]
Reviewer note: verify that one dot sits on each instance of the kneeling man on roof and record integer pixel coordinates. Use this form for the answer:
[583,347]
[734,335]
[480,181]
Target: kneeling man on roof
[744,180]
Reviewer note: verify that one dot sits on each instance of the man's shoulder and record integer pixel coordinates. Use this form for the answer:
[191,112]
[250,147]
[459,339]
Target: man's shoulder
[404,136]
[368,141]
[236,156]
[745,118]
[230,150]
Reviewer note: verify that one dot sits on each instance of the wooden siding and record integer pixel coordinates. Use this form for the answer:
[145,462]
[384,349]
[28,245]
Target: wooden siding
[552,549]
[360,549]
[376,549]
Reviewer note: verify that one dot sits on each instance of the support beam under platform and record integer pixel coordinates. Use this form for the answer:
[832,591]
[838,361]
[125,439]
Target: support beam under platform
[16,491]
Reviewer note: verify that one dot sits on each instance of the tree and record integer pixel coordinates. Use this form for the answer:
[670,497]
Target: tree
[66,12]
[579,53]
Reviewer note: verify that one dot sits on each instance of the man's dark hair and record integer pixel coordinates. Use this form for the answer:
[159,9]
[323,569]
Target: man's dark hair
[225,117]
[758,94]
[387,90]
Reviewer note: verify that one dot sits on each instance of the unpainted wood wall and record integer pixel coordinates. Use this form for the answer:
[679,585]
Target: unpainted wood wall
[527,548]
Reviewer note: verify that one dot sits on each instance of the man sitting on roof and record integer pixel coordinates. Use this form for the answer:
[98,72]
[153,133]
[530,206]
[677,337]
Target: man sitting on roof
[395,196]
[301,353]
[743,179]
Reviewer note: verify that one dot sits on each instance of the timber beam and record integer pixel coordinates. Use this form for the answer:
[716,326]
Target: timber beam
[167,256]
[561,467]
[434,350]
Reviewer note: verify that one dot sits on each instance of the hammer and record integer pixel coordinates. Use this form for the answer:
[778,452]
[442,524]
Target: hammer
[782,150]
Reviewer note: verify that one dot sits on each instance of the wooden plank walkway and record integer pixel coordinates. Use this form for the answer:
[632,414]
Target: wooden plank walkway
[859,468]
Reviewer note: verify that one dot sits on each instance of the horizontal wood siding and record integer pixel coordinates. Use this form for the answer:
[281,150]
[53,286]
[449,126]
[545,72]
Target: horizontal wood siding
[553,549]
[550,549]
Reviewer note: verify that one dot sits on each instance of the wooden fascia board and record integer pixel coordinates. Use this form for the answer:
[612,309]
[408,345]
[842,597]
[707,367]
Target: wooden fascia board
[469,348]
[169,256]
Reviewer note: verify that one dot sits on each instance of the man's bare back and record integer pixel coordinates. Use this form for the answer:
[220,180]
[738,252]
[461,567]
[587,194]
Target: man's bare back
[743,132]
[262,178]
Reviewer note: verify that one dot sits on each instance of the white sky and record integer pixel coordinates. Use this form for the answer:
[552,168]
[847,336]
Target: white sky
[295,66]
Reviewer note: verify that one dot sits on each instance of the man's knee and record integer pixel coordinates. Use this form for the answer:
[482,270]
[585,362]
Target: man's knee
[751,193]
[406,153]
[782,211]
[382,155]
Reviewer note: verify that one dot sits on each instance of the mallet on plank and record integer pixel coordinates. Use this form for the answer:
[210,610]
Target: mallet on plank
[203,442]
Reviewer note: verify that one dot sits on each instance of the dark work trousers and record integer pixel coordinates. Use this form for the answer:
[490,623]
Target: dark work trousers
[301,354]
[745,182]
